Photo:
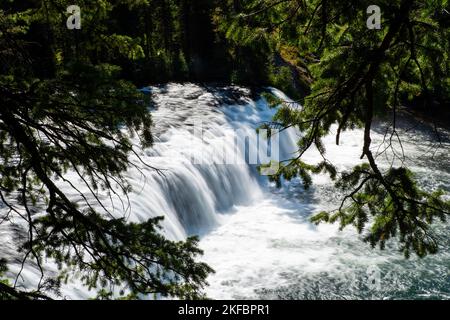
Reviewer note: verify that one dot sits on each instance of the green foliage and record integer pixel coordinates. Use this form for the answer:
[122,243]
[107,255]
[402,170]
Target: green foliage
[281,78]
[65,106]
[406,212]
[272,101]
[69,102]
[137,255]
[257,57]
[359,73]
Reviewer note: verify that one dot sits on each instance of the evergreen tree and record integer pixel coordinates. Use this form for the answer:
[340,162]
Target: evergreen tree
[69,101]
[64,106]
[359,73]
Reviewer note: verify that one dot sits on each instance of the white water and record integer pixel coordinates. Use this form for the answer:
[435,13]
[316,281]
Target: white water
[257,237]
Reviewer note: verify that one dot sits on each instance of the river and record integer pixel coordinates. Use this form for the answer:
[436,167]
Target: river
[257,237]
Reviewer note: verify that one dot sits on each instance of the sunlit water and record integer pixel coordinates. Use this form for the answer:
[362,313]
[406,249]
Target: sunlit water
[258,238]
[270,250]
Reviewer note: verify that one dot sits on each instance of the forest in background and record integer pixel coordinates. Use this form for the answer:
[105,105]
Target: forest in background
[153,42]
[251,43]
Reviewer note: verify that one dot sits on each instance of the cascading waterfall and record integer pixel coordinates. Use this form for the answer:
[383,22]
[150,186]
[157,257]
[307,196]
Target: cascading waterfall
[191,194]
[257,237]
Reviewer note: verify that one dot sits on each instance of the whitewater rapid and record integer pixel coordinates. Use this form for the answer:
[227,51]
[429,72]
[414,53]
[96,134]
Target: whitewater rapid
[270,250]
[262,245]
[257,237]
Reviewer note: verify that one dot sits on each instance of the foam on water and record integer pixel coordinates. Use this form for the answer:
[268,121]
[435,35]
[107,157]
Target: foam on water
[271,250]
[258,238]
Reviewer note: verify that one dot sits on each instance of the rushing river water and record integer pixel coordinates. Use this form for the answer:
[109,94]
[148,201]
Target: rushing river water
[258,238]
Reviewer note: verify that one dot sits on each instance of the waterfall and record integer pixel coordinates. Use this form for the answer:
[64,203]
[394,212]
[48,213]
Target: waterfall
[257,237]
[192,195]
